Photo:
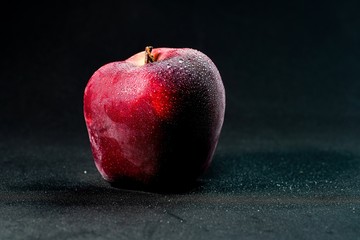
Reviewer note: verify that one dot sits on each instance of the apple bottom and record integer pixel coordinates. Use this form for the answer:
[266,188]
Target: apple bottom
[180,157]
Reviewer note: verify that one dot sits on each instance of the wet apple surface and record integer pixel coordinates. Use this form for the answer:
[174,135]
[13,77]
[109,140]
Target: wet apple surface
[151,122]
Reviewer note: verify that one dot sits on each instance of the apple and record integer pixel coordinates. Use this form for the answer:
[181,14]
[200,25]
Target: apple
[156,117]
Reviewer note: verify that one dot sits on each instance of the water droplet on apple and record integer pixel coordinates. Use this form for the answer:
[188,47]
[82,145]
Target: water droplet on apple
[181,61]
[168,66]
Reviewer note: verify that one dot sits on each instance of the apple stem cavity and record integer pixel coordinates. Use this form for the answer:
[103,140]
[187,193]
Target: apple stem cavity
[149,58]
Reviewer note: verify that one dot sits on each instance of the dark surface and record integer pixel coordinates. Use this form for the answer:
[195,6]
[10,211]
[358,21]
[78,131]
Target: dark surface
[288,161]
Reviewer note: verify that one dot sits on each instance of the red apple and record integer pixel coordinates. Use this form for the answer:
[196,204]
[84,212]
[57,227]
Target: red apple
[156,117]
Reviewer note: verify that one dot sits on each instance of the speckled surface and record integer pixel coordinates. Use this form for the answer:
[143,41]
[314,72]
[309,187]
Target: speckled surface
[288,161]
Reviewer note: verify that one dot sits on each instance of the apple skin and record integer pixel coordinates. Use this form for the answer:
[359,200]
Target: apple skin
[156,123]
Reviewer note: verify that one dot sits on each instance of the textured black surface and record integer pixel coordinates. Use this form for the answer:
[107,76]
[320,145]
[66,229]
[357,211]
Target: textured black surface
[288,161]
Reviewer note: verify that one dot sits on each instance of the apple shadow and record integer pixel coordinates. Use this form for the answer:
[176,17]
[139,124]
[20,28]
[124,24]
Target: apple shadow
[165,188]
[63,193]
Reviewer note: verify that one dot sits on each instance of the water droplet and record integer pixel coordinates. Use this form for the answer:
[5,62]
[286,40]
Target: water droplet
[181,61]
[168,66]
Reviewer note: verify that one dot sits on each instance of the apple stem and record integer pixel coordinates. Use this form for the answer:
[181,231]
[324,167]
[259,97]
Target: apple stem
[149,58]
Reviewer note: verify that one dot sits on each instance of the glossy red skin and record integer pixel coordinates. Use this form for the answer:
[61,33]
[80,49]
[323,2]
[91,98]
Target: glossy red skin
[158,123]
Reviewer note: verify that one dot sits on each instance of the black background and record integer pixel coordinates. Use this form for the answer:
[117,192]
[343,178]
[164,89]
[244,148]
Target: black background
[287,163]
